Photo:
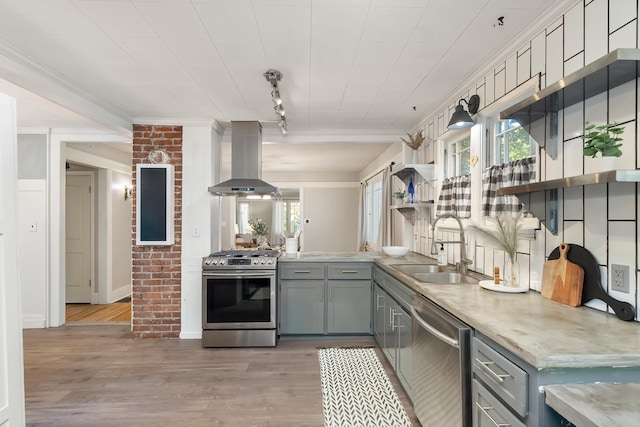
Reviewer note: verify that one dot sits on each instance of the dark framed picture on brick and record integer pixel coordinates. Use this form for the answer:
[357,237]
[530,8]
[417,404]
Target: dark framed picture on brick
[154,204]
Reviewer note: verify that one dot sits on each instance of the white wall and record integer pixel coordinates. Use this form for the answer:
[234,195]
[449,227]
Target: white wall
[32,242]
[120,237]
[330,219]
[200,219]
[32,228]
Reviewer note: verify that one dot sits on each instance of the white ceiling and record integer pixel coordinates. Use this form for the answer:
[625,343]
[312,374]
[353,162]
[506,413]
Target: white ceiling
[354,70]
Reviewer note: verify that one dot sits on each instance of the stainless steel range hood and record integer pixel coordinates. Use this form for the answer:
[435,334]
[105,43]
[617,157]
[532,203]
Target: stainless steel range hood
[246,163]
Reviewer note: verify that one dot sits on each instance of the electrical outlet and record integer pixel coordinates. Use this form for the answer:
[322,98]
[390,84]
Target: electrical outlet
[620,278]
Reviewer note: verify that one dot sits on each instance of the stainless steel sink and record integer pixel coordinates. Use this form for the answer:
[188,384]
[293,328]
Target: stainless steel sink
[443,277]
[419,268]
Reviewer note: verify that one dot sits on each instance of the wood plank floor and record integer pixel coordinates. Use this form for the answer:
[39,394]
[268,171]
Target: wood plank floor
[95,313]
[90,375]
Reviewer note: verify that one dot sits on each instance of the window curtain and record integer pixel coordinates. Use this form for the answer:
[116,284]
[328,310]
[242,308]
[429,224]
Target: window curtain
[384,228]
[276,222]
[494,178]
[362,220]
[455,197]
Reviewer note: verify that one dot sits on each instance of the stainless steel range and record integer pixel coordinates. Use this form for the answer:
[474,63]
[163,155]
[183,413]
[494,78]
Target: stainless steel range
[239,298]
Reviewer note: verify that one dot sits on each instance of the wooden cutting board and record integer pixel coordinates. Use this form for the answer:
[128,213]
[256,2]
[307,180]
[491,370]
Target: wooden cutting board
[562,280]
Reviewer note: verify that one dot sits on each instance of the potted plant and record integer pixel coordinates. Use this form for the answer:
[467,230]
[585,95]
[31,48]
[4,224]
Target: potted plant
[260,229]
[603,139]
[399,195]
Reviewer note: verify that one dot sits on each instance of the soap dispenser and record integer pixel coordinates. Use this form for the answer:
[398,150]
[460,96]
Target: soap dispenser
[411,191]
[442,256]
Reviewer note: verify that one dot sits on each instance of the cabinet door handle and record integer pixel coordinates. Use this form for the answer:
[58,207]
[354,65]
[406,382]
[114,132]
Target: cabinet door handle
[485,366]
[484,410]
[349,271]
[392,318]
[378,306]
[395,325]
[302,271]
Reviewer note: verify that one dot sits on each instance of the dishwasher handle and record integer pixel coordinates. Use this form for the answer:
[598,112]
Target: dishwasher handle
[451,341]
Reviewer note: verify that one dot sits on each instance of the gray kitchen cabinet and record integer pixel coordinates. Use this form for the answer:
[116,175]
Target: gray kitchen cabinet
[302,307]
[392,326]
[346,313]
[325,298]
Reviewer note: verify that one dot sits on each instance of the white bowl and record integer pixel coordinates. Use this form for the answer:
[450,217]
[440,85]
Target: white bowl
[395,251]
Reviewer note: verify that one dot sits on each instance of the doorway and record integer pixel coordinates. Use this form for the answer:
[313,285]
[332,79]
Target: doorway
[79,237]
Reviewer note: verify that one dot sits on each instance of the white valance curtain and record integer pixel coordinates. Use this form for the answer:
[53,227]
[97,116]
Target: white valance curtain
[455,197]
[518,172]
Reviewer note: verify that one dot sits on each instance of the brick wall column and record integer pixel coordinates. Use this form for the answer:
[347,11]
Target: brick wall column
[156,270]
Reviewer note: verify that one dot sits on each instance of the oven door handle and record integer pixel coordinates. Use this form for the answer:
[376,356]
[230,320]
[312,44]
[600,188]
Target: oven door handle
[236,274]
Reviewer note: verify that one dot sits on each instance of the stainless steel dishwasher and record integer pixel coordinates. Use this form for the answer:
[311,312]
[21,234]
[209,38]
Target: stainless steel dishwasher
[441,366]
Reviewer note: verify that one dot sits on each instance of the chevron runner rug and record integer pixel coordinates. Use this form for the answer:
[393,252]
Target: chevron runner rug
[356,390]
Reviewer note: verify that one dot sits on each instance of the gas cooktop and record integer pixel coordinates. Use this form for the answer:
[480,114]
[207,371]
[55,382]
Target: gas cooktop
[247,258]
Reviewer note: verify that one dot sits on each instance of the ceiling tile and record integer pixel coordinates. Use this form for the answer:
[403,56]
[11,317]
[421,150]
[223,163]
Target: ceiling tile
[228,21]
[116,18]
[280,23]
[172,20]
[390,24]
[338,24]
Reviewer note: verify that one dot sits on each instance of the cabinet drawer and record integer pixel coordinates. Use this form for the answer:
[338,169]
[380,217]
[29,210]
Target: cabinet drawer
[500,375]
[488,411]
[400,292]
[302,271]
[349,271]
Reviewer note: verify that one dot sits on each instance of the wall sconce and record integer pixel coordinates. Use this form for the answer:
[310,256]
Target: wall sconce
[460,119]
[128,192]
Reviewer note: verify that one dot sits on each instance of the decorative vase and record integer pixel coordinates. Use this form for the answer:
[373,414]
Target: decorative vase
[414,156]
[261,241]
[511,271]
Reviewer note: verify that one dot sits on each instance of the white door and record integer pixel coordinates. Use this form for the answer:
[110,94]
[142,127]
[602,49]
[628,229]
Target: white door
[78,238]
[11,368]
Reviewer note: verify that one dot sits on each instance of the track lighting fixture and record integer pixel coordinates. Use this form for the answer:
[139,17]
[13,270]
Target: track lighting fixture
[273,77]
[460,119]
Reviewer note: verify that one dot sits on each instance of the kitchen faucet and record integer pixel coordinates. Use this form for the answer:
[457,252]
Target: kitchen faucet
[462,265]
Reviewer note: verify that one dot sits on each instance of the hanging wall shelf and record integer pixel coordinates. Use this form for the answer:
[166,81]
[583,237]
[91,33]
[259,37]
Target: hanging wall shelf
[541,198]
[428,172]
[539,112]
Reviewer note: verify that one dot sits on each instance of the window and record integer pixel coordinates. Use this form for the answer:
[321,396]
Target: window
[373,201]
[459,155]
[290,216]
[512,142]
[243,218]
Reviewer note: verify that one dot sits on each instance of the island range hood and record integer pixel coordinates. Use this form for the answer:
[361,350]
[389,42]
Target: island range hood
[246,164]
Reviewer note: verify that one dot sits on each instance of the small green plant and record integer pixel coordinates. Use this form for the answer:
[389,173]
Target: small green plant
[399,194]
[603,139]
